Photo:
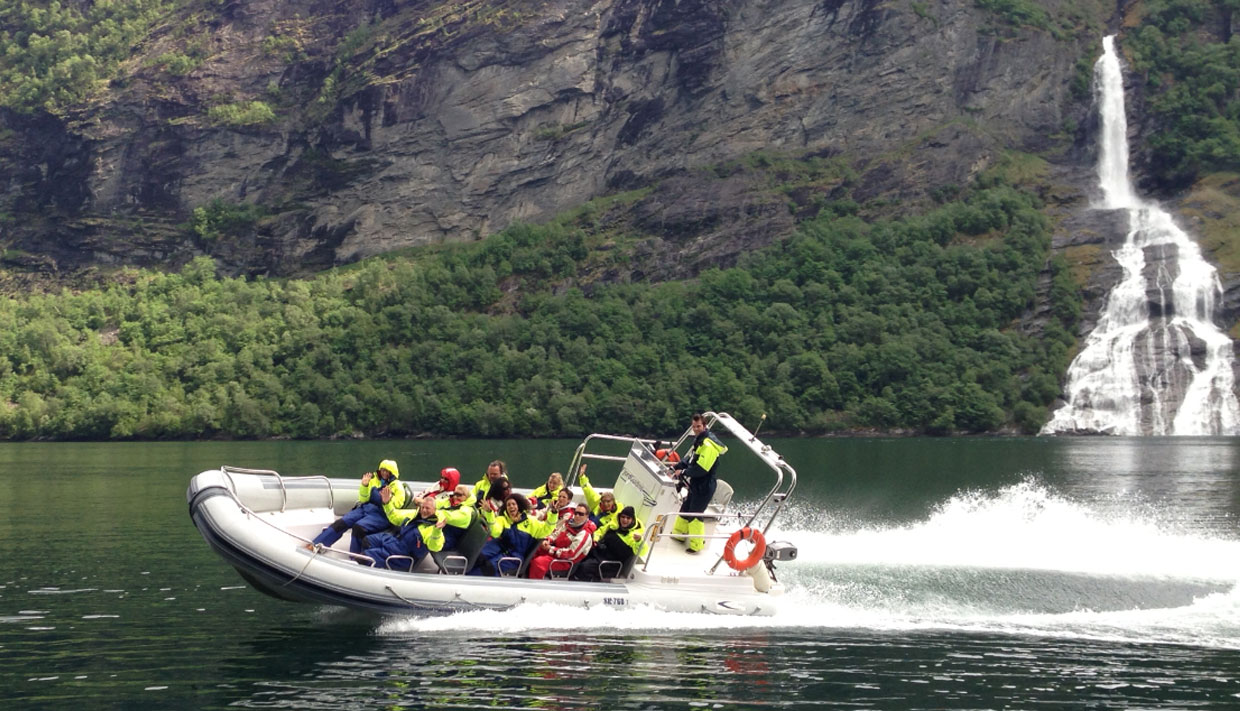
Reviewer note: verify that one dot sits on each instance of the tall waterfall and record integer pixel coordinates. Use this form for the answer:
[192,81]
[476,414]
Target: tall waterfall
[1155,364]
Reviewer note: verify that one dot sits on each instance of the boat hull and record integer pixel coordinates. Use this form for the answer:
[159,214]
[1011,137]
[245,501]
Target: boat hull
[260,524]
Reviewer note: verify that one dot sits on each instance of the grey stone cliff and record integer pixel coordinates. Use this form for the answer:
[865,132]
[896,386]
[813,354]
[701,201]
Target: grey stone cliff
[448,126]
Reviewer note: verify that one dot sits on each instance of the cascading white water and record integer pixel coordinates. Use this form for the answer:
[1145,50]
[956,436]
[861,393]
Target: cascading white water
[1155,364]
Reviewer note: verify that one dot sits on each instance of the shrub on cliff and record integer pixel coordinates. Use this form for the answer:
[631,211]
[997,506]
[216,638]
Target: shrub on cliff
[1184,53]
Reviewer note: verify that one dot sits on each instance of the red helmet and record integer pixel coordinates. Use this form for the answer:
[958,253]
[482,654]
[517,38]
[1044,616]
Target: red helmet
[452,475]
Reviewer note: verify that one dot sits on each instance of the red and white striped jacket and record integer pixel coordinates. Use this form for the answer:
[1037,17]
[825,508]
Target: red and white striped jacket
[573,544]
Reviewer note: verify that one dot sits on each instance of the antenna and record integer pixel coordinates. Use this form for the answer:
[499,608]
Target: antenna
[760,422]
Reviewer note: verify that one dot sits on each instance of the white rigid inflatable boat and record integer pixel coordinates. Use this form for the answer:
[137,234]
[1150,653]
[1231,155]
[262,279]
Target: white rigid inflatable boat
[260,522]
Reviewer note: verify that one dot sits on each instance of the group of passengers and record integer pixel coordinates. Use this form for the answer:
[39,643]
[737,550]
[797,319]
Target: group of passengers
[546,532]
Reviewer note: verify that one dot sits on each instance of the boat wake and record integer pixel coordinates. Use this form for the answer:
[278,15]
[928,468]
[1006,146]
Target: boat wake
[1021,561]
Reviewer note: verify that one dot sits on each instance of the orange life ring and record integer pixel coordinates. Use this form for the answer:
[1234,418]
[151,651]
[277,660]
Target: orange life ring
[752,535]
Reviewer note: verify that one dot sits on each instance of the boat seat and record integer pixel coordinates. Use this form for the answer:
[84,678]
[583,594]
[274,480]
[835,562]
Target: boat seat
[722,497]
[612,569]
[461,559]
[399,562]
[499,565]
[525,563]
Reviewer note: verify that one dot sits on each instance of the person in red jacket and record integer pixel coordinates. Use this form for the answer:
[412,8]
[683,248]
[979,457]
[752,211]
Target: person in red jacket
[449,478]
[572,543]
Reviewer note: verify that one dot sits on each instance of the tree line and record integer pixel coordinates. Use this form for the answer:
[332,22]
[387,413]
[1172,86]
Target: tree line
[846,324]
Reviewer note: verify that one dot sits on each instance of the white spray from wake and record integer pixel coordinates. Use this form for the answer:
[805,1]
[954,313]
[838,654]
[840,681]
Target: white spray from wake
[1024,528]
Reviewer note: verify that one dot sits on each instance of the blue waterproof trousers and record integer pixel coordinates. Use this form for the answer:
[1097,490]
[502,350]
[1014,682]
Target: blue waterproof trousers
[364,520]
[407,541]
[489,559]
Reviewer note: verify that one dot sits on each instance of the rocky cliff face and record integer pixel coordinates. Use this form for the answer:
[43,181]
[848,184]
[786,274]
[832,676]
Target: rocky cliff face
[407,123]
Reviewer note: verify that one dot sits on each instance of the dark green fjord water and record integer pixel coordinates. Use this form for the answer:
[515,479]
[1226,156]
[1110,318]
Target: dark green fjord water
[933,574]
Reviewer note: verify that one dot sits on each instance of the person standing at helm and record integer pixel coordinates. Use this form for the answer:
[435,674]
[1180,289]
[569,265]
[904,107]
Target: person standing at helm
[378,499]
[700,468]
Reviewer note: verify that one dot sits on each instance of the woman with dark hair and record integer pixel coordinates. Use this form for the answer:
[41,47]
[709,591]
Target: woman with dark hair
[514,534]
[563,507]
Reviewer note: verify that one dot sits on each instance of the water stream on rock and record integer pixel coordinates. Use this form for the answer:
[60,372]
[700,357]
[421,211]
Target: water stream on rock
[1156,363]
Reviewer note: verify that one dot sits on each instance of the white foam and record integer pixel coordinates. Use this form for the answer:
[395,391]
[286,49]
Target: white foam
[1028,527]
[1025,527]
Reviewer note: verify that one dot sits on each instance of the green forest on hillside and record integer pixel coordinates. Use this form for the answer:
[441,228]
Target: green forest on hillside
[894,324]
[1185,53]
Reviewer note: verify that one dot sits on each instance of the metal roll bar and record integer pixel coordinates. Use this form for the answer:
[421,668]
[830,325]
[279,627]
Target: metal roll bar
[769,508]
[228,471]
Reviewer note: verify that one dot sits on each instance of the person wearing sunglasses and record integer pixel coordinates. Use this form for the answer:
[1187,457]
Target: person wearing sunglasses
[461,496]
[459,512]
[572,542]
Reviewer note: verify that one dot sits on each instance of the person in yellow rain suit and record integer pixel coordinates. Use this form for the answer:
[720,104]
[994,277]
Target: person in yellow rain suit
[429,530]
[619,540]
[699,471]
[378,498]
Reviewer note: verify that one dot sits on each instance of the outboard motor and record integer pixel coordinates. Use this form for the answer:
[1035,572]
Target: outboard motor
[780,550]
[776,550]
